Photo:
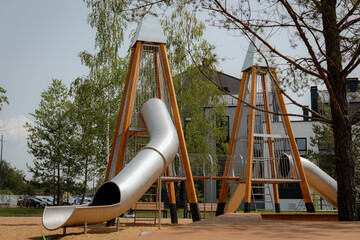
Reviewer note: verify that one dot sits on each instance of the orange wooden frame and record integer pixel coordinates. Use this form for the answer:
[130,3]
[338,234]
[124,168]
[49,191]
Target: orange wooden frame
[236,125]
[123,121]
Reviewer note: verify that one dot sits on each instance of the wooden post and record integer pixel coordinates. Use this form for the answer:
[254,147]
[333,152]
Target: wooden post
[172,199]
[85,228]
[117,224]
[250,149]
[303,183]
[235,129]
[189,181]
[123,98]
[270,144]
[159,86]
[64,231]
[129,106]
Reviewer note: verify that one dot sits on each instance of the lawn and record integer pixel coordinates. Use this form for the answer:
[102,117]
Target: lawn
[21,212]
[37,212]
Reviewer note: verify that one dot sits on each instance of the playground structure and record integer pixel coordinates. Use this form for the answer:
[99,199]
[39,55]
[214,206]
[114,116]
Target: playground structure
[262,147]
[148,136]
[148,77]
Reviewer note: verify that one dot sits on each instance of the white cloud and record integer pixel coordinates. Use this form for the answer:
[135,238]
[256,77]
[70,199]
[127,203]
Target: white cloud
[13,128]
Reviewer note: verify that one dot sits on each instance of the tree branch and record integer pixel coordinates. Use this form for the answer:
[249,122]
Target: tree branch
[348,24]
[341,24]
[274,80]
[294,17]
[319,118]
[316,41]
[355,118]
[317,64]
[247,28]
[354,62]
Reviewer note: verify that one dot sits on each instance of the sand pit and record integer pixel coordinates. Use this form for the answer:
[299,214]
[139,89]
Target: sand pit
[31,228]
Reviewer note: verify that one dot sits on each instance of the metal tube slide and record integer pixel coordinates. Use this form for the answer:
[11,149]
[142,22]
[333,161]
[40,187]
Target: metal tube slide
[318,180]
[116,196]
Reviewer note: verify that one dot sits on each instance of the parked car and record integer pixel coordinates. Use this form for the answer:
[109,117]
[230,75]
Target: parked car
[37,202]
[47,200]
[87,200]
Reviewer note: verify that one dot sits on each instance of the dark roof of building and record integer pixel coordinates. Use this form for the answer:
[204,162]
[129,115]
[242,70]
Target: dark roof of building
[225,81]
[228,83]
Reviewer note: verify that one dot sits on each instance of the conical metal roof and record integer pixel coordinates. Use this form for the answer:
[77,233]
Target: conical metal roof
[149,30]
[253,57]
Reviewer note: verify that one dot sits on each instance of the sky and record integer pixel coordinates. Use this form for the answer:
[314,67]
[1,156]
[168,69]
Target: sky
[40,40]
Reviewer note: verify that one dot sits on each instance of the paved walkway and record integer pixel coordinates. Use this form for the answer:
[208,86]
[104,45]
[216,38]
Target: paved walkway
[251,226]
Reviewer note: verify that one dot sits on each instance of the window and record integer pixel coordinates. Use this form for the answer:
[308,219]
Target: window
[302,145]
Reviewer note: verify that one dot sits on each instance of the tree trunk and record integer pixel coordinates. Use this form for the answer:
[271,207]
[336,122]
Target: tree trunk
[340,119]
[345,171]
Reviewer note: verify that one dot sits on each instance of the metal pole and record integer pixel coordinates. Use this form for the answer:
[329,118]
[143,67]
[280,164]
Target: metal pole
[211,175]
[2,146]
[160,202]
[186,121]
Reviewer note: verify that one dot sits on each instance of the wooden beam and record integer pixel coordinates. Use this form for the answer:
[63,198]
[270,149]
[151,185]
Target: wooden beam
[113,146]
[129,105]
[189,182]
[234,132]
[303,184]
[270,144]
[250,149]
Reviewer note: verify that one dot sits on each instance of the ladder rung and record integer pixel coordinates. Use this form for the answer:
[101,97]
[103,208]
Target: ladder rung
[263,201]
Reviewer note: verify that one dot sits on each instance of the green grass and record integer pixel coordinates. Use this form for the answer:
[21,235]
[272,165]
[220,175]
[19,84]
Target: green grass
[37,212]
[21,212]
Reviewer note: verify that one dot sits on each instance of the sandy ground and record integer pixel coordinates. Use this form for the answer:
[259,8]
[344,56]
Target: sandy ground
[228,226]
[31,228]
[250,226]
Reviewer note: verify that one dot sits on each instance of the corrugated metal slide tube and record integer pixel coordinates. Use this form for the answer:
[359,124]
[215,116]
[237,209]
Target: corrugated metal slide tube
[116,196]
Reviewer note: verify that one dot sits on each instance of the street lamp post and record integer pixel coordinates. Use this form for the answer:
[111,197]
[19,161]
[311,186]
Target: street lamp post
[186,121]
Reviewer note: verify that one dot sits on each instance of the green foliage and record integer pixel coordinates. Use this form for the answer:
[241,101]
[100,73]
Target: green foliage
[6,192]
[49,141]
[324,157]
[190,55]
[3,98]
[12,180]
[324,142]
[97,96]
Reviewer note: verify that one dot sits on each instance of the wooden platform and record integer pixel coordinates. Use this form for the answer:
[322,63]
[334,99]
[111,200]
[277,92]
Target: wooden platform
[251,226]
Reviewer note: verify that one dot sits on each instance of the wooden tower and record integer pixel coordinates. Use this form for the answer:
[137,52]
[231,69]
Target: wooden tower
[149,76]
[262,147]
